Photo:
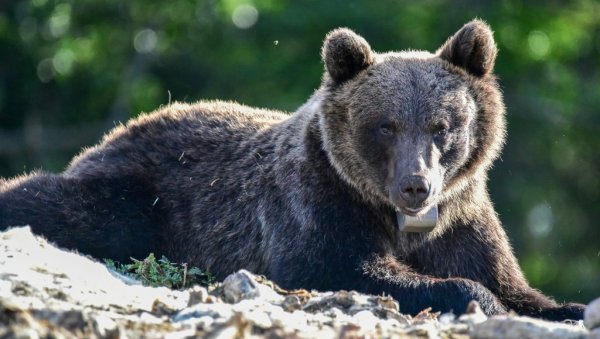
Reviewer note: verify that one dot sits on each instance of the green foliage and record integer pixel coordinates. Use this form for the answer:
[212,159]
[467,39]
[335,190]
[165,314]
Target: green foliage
[68,66]
[162,272]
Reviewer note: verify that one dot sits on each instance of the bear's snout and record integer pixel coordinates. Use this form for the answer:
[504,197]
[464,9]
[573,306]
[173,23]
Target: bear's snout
[414,190]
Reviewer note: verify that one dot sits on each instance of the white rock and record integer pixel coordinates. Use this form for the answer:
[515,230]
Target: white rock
[366,320]
[336,313]
[591,315]
[447,318]
[148,318]
[203,322]
[259,318]
[105,327]
[525,328]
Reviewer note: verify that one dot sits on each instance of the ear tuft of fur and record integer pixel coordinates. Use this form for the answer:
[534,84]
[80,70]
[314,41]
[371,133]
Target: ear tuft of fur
[472,48]
[345,53]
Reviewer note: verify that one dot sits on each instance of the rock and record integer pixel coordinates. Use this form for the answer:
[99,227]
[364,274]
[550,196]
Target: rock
[200,310]
[291,303]
[240,286]
[473,315]
[525,328]
[198,294]
[72,320]
[366,320]
[447,318]
[105,327]
[388,303]
[243,285]
[591,315]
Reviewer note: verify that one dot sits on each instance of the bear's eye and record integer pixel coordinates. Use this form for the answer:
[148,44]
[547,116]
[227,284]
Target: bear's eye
[386,129]
[440,131]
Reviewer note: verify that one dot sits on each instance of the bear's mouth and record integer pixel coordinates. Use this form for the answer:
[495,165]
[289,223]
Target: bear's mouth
[417,220]
[413,212]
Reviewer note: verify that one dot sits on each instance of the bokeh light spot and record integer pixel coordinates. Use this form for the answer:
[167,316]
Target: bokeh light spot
[540,220]
[60,21]
[244,16]
[539,44]
[45,70]
[145,41]
[63,61]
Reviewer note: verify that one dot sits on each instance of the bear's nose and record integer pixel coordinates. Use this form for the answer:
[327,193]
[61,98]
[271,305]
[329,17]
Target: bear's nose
[414,189]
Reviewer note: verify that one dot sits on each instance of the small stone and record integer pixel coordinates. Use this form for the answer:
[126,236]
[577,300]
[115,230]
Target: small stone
[447,318]
[239,286]
[149,318]
[204,322]
[344,299]
[366,320]
[215,311]
[71,320]
[198,294]
[23,333]
[334,312]
[291,303]
[243,285]
[159,308]
[314,304]
[425,316]
[388,303]
[591,315]
[473,315]
[473,307]
[258,318]
[403,319]
[105,327]
[349,331]
[211,299]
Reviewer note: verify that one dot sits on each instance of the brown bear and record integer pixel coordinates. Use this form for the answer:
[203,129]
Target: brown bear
[315,199]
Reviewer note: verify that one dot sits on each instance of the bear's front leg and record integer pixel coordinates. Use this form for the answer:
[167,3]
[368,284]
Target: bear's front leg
[480,252]
[378,274]
[415,292]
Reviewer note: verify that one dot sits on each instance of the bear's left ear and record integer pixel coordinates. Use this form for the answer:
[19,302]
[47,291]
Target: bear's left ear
[345,53]
[471,48]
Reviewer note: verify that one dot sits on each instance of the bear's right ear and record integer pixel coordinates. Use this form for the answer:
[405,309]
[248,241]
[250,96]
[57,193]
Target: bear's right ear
[471,48]
[345,53]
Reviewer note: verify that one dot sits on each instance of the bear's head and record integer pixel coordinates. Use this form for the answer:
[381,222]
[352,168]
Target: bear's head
[412,129]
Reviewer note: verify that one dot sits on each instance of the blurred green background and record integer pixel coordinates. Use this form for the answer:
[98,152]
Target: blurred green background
[70,70]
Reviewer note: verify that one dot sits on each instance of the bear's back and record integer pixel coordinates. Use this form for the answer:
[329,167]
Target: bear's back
[176,137]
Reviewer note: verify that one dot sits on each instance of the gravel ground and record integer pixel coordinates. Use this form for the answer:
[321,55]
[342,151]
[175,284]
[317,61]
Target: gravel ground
[47,292]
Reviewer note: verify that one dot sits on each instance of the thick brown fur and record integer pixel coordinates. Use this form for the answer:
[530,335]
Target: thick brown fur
[311,199]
